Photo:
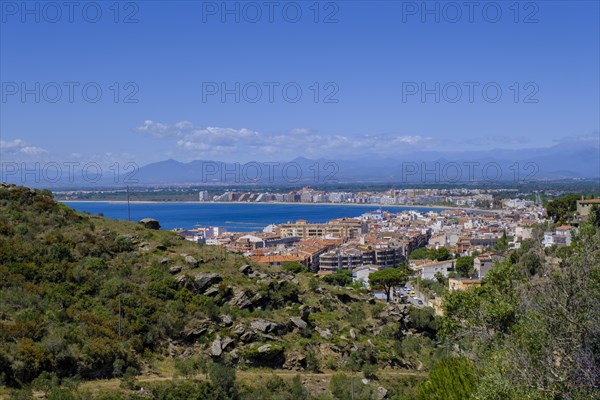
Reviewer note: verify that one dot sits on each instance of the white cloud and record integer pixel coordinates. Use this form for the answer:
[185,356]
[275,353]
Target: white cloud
[592,139]
[493,140]
[18,150]
[33,150]
[19,147]
[158,130]
[10,144]
[244,143]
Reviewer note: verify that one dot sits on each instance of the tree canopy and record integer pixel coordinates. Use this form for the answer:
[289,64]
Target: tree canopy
[561,209]
[464,266]
[423,253]
[533,328]
[387,279]
[340,277]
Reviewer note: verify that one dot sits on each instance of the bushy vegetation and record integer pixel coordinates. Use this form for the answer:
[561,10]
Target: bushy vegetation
[561,209]
[293,266]
[531,331]
[78,298]
[84,297]
[464,266]
[424,253]
[340,277]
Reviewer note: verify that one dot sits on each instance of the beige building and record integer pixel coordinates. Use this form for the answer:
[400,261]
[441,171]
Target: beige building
[345,228]
[584,206]
[462,283]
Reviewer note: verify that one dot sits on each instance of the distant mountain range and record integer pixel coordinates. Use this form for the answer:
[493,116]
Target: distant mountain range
[558,162]
[564,161]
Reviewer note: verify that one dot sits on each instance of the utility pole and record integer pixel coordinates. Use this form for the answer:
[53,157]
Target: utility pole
[128,205]
[119,316]
[352,385]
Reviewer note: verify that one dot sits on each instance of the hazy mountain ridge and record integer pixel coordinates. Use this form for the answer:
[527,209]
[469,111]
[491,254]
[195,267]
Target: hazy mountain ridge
[423,167]
[570,161]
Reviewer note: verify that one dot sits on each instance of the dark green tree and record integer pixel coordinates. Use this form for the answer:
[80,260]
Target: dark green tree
[294,267]
[451,379]
[223,379]
[387,279]
[560,210]
[341,277]
[421,253]
[502,244]
[441,254]
[464,266]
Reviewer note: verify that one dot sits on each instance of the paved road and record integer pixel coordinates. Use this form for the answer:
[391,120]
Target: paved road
[406,293]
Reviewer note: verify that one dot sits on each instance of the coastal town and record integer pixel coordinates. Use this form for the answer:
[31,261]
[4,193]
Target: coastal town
[430,243]
[482,198]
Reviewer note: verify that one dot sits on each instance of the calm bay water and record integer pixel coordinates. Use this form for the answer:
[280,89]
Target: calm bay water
[240,217]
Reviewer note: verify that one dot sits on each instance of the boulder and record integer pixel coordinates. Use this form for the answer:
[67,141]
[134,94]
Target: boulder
[191,261]
[212,291]
[266,282]
[182,279]
[150,223]
[145,246]
[239,330]
[246,269]
[171,350]
[204,279]
[382,393]
[234,355]
[265,348]
[165,260]
[353,333]
[226,342]
[175,269]
[298,322]
[247,336]
[264,326]
[240,299]
[270,337]
[295,361]
[257,300]
[257,274]
[216,348]
[195,329]
[325,333]
[226,320]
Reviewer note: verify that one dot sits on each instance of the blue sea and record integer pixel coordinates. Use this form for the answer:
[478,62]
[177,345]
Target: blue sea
[237,217]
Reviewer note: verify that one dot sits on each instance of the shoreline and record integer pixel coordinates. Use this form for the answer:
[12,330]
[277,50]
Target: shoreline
[376,206]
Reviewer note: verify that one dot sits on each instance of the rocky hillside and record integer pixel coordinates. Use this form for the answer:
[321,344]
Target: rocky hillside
[91,297]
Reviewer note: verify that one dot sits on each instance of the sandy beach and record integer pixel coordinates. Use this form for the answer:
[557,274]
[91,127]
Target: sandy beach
[382,206]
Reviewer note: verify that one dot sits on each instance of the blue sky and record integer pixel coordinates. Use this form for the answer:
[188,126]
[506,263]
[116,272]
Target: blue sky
[372,60]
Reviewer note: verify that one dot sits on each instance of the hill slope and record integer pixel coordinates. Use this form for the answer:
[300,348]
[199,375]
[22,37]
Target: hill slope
[87,296]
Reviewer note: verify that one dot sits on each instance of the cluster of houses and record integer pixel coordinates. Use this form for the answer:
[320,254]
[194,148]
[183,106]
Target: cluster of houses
[382,239]
[463,197]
